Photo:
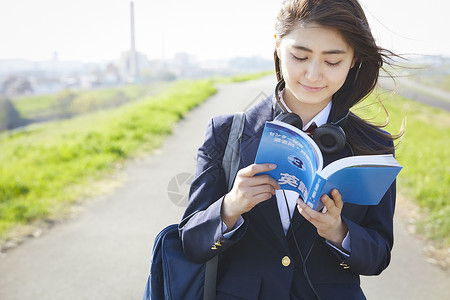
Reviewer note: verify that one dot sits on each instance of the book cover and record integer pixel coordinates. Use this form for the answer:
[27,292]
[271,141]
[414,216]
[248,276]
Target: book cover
[360,179]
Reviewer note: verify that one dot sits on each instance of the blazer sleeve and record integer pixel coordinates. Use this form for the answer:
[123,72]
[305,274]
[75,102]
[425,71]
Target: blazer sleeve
[372,240]
[371,234]
[201,226]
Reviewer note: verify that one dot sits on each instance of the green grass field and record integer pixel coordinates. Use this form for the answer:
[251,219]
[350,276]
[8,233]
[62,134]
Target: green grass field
[425,154]
[47,167]
[242,77]
[74,103]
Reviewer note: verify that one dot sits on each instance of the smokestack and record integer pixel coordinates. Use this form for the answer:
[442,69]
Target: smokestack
[133,55]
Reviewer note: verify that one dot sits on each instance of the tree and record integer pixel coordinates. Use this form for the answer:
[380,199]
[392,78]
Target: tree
[9,115]
[62,105]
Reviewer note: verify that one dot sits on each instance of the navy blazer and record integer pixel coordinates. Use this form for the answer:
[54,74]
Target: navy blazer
[259,261]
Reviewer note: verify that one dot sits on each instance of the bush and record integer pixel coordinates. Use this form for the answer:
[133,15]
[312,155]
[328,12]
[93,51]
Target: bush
[9,116]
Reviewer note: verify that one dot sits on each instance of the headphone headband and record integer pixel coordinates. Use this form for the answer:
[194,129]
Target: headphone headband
[342,119]
[277,104]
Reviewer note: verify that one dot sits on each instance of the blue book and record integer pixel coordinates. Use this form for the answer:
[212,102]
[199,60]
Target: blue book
[360,179]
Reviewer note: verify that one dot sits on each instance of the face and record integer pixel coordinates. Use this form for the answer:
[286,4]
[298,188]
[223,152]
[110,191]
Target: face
[315,61]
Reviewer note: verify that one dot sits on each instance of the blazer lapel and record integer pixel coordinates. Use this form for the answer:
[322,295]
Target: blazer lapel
[255,119]
[269,210]
[297,219]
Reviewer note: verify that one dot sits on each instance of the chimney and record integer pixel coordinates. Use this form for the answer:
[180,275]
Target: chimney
[133,70]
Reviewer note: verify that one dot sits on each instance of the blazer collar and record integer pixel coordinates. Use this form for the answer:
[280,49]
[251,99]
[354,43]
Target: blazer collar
[255,119]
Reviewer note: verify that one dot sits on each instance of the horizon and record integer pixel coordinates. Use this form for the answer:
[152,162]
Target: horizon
[410,57]
[99,31]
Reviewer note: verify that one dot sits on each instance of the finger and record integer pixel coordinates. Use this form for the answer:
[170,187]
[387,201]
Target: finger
[335,204]
[329,203]
[254,169]
[253,196]
[308,213]
[251,192]
[263,180]
[303,209]
[337,198]
[261,197]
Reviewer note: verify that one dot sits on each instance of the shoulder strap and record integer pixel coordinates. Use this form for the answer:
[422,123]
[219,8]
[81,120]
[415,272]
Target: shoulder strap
[230,163]
[231,158]
[209,290]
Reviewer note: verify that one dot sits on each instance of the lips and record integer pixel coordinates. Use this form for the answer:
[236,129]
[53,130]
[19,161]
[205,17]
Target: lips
[312,89]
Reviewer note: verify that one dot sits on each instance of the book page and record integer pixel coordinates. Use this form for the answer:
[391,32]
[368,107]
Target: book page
[360,160]
[363,185]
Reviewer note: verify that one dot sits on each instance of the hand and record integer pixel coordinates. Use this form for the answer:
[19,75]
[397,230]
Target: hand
[329,225]
[248,190]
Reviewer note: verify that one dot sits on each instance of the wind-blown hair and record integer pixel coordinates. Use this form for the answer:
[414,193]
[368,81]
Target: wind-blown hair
[347,17]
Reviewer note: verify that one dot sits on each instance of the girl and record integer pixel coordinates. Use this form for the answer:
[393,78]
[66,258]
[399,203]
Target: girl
[326,61]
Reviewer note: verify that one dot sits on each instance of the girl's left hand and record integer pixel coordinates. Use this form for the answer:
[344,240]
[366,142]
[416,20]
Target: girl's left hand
[329,224]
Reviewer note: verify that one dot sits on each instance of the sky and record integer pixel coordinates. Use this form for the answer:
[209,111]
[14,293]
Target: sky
[99,30]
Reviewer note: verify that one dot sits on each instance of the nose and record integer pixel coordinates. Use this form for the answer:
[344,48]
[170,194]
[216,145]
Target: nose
[313,71]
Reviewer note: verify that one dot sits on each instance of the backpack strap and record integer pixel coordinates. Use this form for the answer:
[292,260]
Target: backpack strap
[230,163]
[209,290]
[231,158]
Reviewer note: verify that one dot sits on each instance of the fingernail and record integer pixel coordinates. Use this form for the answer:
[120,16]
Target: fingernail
[272,166]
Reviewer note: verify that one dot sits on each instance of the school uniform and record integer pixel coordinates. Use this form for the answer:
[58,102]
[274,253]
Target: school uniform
[260,260]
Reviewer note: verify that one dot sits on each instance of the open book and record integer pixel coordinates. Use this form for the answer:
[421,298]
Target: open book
[360,179]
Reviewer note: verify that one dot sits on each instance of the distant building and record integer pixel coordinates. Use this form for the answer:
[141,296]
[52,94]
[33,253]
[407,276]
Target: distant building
[125,68]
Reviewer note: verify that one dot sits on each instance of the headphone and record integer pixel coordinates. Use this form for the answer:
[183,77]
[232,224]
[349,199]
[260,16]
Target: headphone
[329,137]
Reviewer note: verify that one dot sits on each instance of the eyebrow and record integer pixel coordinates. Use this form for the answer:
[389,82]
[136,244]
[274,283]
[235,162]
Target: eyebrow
[337,51]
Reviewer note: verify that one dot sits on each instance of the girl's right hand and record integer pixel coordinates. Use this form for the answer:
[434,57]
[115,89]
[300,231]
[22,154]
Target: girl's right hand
[248,190]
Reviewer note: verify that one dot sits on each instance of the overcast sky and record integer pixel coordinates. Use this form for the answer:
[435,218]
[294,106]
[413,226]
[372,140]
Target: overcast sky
[99,30]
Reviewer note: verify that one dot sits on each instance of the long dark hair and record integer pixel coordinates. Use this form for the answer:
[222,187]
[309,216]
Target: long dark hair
[346,16]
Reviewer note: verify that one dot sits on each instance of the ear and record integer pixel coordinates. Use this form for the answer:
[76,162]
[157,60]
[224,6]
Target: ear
[354,62]
[278,51]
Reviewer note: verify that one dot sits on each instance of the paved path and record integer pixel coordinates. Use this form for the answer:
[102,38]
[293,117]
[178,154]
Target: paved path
[418,92]
[104,253]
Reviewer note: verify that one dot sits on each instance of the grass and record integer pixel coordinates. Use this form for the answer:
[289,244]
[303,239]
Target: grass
[440,81]
[45,169]
[71,102]
[425,154]
[243,77]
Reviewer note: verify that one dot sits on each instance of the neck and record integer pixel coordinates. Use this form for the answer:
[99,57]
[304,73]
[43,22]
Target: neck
[306,111]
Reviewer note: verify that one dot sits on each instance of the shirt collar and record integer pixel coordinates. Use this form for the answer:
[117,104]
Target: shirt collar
[320,119]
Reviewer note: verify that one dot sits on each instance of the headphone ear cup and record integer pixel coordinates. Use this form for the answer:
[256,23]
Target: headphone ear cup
[330,138]
[291,119]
